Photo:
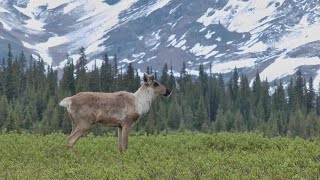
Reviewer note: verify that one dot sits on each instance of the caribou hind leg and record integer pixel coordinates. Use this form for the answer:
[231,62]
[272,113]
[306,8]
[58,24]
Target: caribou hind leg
[78,132]
[73,123]
[73,138]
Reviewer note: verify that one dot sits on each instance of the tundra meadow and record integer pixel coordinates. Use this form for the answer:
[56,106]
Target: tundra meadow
[164,156]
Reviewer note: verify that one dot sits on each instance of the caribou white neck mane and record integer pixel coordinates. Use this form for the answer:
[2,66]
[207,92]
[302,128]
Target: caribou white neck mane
[143,99]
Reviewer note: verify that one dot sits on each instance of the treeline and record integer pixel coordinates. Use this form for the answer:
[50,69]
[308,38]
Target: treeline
[30,93]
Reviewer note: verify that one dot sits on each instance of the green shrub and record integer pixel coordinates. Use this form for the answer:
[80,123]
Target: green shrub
[164,156]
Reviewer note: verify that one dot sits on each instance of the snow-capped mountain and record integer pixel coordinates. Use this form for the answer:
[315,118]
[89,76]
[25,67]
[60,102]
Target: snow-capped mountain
[274,37]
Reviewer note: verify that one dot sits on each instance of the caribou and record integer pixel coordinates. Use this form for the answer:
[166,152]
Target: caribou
[119,109]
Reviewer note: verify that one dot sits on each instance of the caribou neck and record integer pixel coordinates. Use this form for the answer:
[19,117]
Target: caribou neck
[143,99]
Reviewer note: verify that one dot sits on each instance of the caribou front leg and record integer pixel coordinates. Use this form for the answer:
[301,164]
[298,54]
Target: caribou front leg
[125,135]
[126,125]
[120,138]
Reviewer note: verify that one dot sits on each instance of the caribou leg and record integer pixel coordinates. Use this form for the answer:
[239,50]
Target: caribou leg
[120,138]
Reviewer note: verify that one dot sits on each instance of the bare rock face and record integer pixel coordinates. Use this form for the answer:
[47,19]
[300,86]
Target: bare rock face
[273,37]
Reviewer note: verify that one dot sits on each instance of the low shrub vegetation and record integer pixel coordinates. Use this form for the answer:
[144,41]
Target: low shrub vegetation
[174,156]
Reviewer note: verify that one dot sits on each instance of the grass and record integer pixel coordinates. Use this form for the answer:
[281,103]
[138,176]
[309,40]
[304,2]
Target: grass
[179,156]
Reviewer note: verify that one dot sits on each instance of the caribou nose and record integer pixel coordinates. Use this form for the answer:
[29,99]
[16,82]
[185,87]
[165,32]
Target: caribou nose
[168,93]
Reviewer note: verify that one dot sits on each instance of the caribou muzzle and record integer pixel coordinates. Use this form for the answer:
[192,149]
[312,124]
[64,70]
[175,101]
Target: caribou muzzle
[168,93]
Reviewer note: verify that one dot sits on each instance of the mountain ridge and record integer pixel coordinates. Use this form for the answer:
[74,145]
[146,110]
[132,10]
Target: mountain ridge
[274,37]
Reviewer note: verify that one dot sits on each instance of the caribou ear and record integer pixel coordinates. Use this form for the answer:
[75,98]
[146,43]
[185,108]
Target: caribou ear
[145,77]
[151,76]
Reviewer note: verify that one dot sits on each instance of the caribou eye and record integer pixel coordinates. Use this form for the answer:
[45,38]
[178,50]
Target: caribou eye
[156,84]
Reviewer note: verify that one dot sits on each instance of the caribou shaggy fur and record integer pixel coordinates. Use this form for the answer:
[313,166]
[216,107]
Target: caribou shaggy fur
[119,109]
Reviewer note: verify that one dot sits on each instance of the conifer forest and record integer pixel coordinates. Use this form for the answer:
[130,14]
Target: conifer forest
[30,92]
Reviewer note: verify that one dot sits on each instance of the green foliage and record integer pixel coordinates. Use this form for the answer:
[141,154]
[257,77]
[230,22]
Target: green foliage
[30,93]
[178,156]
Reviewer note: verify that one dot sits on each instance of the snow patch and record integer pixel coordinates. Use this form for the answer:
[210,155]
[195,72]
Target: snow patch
[154,39]
[153,57]
[127,61]
[93,63]
[71,6]
[202,29]
[100,19]
[301,34]
[212,53]
[3,10]
[61,65]
[95,46]
[181,43]
[158,5]
[257,47]
[193,72]
[171,37]
[209,34]
[200,50]
[225,67]
[316,81]
[287,66]
[229,42]
[34,24]
[155,47]
[174,9]
[141,55]
[240,16]
[6,26]
[173,42]
[43,48]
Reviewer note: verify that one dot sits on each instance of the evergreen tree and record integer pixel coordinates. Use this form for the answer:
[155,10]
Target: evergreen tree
[279,98]
[201,114]
[81,76]
[220,124]
[9,86]
[106,75]
[67,83]
[22,72]
[299,88]
[164,75]
[129,79]
[292,104]
[257,89]
[94,79]
[115,66]
[2,77]
[266,101]
[310,96]
[48,125]
[172,80]
[245,101]
[296,125]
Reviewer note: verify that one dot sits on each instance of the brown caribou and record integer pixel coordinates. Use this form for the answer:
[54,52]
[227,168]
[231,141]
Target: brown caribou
[120,109]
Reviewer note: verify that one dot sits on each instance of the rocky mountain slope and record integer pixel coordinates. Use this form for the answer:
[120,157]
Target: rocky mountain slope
[273,37]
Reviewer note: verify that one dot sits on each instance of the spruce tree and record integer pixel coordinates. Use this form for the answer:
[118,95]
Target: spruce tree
[115,66]
[9,86]
[256,89]
[164,75]
[106,74]
[172,80]
[94,79]
[81,75]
